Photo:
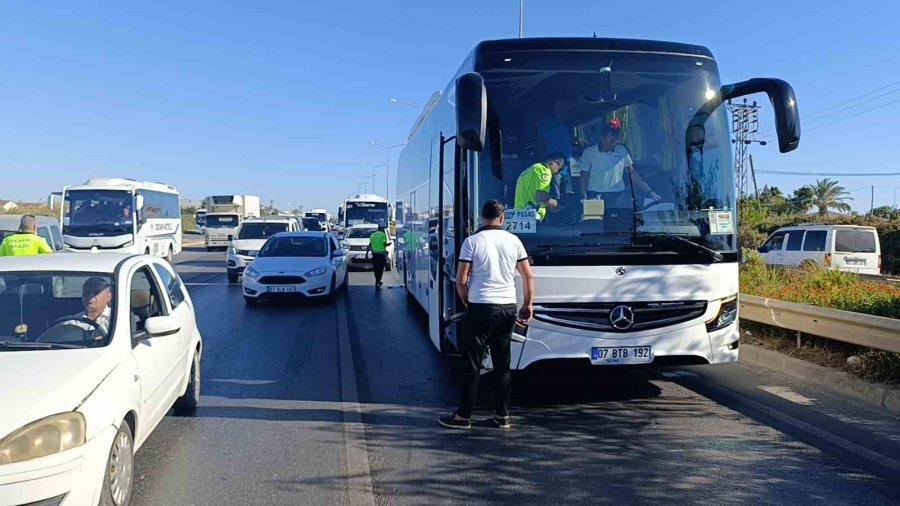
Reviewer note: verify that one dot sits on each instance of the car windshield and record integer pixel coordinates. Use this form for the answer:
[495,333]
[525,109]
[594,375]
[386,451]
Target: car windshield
[312,224]
[294,246]
[367,212]
[221,220]
[260,230]
[99,212]
[657,168]
[360,233]
[55,310]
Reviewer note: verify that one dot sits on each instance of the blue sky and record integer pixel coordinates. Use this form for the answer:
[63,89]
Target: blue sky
[281,99]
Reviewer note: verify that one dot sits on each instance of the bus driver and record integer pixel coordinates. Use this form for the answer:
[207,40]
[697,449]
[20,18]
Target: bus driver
[603,167]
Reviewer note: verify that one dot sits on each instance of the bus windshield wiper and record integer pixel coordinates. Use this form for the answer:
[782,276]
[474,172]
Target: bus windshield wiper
[31,345]
[714,255]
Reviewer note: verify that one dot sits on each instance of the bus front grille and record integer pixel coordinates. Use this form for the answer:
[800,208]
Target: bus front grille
[596,316]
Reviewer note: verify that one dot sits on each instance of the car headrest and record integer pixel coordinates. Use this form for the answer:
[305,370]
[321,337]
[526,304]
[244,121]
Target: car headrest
[141,301]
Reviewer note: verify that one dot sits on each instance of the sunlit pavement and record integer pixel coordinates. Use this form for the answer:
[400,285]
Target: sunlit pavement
[284,385]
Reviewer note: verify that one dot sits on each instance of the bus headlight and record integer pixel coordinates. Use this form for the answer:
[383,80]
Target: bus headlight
[47,436]
[728,310]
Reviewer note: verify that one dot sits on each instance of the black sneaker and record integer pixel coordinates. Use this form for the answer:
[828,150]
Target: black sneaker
[451,422]
[501,422]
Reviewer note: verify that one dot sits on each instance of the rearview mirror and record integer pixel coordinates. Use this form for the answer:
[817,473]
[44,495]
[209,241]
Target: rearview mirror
[31,289]
[787,117]
[158,326]
[471,111]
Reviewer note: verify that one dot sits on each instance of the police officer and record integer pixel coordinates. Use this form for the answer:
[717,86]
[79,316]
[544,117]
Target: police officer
[534,185]
[378,243]
[26,242]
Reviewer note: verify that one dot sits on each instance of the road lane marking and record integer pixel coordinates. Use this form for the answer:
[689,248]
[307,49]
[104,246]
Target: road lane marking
[356,456]
[788,394]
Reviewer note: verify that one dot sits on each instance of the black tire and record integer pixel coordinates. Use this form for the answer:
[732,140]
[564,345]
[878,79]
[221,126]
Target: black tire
[209,248]
[119,471]
[346,284]
[232,276]
[187,403]
[332,292]
[250,301]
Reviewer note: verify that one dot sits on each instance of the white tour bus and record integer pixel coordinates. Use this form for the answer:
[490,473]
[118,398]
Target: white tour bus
[122,215]
[622,278]
[365,208]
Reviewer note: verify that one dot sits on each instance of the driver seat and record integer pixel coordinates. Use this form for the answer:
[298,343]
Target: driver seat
[141,308]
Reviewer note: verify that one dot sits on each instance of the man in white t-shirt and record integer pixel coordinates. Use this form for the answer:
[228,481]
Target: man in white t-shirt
[486,283]
[603,166]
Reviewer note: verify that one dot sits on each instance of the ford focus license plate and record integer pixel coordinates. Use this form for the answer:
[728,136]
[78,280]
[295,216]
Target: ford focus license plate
[621,355]
[282,289]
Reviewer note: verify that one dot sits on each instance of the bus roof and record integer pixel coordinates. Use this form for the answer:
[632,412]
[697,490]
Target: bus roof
[591,44]
[121,183]
[366,197]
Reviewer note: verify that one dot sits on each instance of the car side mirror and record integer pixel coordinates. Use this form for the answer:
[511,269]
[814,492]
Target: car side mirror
[763,249]
[471,112]
[159,326]
[338,253]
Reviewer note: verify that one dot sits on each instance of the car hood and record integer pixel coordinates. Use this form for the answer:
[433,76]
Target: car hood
[357,242]
[288,264]
[40,383]
[248,244]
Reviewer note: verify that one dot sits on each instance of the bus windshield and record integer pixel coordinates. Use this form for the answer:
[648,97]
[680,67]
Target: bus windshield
[623,118]
[222,220]
[98,212]
[367,212]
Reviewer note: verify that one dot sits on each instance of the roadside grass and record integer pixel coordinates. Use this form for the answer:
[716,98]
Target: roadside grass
[824,288]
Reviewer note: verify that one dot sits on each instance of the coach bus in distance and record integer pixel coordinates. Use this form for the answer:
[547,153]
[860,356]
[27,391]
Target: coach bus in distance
[641,274]
[365,209]
[122,215]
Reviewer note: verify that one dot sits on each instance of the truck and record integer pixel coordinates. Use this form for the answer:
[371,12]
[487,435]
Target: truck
[224,214]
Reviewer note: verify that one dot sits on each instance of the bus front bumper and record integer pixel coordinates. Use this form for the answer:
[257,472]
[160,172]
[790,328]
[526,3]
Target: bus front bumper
[682,344]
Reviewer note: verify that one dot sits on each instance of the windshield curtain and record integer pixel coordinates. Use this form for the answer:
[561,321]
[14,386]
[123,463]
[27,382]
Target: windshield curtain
[647,180]
[98,213]
[294,247]
[312,224]
[222,221]
[261,230]
[55,309]
[367,212]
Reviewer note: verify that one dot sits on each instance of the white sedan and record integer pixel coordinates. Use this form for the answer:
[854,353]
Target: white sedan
[296,264]
[94,351]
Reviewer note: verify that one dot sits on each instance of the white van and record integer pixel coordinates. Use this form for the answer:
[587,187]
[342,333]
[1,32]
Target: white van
[841,247]
[47,227]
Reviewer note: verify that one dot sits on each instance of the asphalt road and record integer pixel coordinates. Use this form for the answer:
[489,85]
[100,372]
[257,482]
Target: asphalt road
[284,386]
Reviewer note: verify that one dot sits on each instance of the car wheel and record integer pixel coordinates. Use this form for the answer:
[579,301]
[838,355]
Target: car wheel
[119,469]
[346,284]
[250,301]
[187,403]
[332,290]
[232,276]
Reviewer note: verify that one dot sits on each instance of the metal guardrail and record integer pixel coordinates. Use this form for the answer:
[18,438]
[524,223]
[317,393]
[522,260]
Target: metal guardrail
[845,326]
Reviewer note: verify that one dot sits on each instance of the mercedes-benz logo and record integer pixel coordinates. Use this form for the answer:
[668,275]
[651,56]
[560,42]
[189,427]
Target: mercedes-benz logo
[620,271]
[621,317]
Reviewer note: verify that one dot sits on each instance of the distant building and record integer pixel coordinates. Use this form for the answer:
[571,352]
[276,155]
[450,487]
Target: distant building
[8,205]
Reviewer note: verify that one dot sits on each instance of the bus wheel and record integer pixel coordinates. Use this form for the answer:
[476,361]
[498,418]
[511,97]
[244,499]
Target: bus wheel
[147,251]
[170,256]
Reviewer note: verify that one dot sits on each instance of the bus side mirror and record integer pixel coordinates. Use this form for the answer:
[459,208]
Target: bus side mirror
[471,112]
[787,117]
[139,202]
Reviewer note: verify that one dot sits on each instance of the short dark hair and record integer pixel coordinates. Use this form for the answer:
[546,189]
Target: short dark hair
[492,210]
[611,129]
[556,155]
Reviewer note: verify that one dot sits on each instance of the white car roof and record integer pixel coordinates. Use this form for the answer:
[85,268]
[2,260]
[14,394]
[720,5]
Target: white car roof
[87,262]
[364,225]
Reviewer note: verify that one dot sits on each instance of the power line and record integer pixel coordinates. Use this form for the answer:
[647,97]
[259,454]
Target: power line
[849,117]
[807,117]
[828,174]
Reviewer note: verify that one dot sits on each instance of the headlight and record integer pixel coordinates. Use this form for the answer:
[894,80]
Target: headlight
[728,311]
[50,435]
[232,250]
[251,272]
[317,272]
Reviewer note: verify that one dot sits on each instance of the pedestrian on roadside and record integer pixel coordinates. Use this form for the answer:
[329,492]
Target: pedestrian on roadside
[26,242]
[378,243]
[485,282]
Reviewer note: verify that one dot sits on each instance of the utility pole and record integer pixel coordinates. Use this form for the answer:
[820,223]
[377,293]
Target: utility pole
[521,19]
[744,126]
[872,209]
[755,188]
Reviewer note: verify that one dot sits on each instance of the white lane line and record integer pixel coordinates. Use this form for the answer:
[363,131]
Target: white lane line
[211,284]
[359,477]
[788,394]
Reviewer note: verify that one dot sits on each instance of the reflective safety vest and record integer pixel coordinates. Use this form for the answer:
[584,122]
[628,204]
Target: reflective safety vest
[378,241]
[20,245]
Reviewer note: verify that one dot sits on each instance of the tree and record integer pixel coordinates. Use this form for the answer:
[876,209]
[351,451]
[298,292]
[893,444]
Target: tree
[827,194]
[802,199]
[886,212]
